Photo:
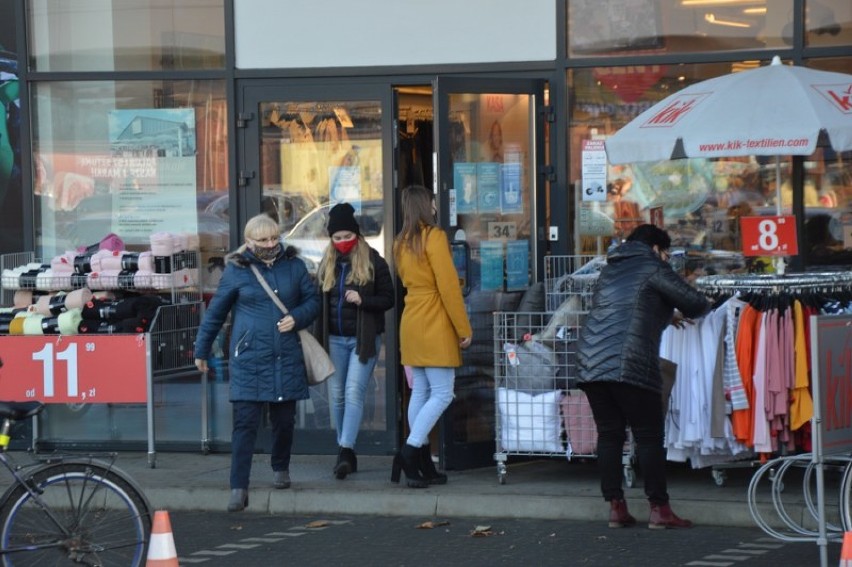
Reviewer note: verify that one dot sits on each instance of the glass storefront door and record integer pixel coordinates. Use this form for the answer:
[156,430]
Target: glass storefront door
[490,147]
[304,150]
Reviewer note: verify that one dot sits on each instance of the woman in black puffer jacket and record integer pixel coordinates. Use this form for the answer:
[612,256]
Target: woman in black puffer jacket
[619,365]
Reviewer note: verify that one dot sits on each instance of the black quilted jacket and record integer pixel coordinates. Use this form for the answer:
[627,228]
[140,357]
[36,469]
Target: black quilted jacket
[634,301]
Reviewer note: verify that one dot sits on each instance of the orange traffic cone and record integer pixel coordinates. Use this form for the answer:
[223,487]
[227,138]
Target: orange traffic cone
[846,550]
[161,548]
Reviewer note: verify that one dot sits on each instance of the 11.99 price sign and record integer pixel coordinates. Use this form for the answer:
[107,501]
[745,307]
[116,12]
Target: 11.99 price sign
[74,369]
[769,236]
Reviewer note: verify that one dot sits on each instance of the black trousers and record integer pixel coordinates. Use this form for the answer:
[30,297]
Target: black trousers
[615,406]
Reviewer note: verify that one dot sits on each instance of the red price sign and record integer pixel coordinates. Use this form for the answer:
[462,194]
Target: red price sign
[769,236]
[74,369]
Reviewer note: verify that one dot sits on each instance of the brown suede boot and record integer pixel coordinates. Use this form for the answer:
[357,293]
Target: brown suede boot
[663,518]
[619,517]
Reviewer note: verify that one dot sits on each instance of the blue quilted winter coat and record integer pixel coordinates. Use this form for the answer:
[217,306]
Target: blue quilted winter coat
[265,365]
[634,301]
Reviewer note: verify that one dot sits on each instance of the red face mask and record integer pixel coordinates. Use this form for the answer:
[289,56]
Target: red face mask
[345,246]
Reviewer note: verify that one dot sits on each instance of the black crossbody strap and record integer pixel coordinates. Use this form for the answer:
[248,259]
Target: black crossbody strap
[268,290]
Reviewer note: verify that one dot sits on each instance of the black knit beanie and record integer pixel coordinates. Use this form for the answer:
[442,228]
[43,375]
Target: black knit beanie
[342,217]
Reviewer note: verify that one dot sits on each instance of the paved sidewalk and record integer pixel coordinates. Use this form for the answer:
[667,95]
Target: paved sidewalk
[542,488]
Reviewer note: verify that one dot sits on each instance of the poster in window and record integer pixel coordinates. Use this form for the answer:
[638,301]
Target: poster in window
[517,265]
[488,186]
[491,270]
[464,179]
[152,165]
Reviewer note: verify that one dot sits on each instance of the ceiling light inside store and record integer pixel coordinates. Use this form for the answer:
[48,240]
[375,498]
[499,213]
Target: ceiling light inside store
[711,18]
[755,11]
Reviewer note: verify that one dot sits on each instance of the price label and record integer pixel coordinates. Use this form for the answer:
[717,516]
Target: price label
[769,236]
[74,369]
[502,230]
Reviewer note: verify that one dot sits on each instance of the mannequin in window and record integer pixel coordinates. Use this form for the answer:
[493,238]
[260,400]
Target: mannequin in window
[494,147]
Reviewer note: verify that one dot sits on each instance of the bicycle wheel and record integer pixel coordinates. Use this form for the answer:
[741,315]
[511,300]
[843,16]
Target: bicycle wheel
[86,513]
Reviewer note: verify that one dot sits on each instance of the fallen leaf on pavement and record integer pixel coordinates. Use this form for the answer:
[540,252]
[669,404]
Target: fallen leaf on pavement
[317,524]
[481,531]
[430,525]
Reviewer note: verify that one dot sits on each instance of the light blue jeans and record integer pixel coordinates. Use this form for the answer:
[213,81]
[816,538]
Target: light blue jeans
[431,394]
[347,387]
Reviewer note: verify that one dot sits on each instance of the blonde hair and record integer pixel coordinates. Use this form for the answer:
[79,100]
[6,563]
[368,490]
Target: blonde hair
[416,215]
[257,228]
[362,267]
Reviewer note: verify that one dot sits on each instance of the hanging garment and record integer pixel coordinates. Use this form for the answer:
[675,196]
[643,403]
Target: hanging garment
[801,403]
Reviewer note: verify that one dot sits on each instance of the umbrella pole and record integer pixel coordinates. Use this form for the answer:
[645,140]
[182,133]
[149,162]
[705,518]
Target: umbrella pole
[779,260]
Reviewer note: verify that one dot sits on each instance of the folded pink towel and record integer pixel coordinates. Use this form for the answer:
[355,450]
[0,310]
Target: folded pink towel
[23,298]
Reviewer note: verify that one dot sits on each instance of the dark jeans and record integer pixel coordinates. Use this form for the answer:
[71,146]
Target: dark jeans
[246,417]
[615,406]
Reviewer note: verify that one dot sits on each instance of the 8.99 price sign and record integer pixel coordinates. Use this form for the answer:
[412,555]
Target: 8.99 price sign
[74,369]
[769,236]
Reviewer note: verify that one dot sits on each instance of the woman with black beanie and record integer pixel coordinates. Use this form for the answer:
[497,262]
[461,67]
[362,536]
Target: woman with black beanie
[357,290]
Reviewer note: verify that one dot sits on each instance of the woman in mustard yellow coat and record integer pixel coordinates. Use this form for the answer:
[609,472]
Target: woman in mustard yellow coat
[433,330]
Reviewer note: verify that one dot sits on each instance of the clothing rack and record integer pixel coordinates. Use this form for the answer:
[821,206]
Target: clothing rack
[820,281]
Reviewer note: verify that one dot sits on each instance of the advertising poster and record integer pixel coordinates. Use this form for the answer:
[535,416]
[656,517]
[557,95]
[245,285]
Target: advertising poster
[594,170]
[488,187]
[11,193]
[464,180]
[491,268]
[517,265]
[510,196]
[153,168]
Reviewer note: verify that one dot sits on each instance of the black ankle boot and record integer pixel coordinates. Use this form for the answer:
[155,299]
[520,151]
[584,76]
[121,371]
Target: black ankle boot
[345,463]
[427,467]
[408,460]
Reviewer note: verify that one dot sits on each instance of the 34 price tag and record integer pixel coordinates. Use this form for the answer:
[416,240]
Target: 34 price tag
[769,236]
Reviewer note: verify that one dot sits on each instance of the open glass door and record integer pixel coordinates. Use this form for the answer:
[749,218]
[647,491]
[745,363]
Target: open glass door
[490,142]
[306,148]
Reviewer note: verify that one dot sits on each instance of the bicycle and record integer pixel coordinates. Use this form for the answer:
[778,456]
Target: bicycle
[69,510]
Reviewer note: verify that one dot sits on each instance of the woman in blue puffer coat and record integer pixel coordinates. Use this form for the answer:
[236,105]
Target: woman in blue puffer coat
[618,359]
[266,362]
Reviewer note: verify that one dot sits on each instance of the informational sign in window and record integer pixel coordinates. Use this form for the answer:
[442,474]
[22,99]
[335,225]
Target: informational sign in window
[594,170]
[152,166]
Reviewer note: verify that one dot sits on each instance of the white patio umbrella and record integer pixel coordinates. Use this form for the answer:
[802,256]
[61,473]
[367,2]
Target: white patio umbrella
[775,110]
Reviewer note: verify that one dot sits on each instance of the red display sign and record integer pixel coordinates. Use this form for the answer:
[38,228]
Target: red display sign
[769,236]
[64,369]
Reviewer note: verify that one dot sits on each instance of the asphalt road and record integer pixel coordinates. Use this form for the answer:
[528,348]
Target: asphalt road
[247,540]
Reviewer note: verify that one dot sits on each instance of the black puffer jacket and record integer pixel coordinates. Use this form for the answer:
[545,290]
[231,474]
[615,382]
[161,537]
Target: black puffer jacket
[634,301]
[366,321]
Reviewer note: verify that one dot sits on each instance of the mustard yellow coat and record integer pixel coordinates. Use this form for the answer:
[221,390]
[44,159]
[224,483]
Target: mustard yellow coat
[434,317]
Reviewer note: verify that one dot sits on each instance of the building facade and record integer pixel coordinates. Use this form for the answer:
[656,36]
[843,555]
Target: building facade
[190,116]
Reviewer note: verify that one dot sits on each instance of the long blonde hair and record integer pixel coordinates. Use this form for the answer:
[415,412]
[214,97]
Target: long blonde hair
[416,215]
[362,267]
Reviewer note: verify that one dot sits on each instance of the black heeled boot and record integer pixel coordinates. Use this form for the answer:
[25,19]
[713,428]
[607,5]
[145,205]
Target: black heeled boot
[346,463]
[427,467]
[408,461]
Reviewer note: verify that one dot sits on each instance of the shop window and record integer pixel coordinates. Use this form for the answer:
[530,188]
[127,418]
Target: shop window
[702,200]
[625,27]
[126,35]
[130,158]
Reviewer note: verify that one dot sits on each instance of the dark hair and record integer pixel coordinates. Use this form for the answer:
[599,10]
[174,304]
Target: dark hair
[652,236]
